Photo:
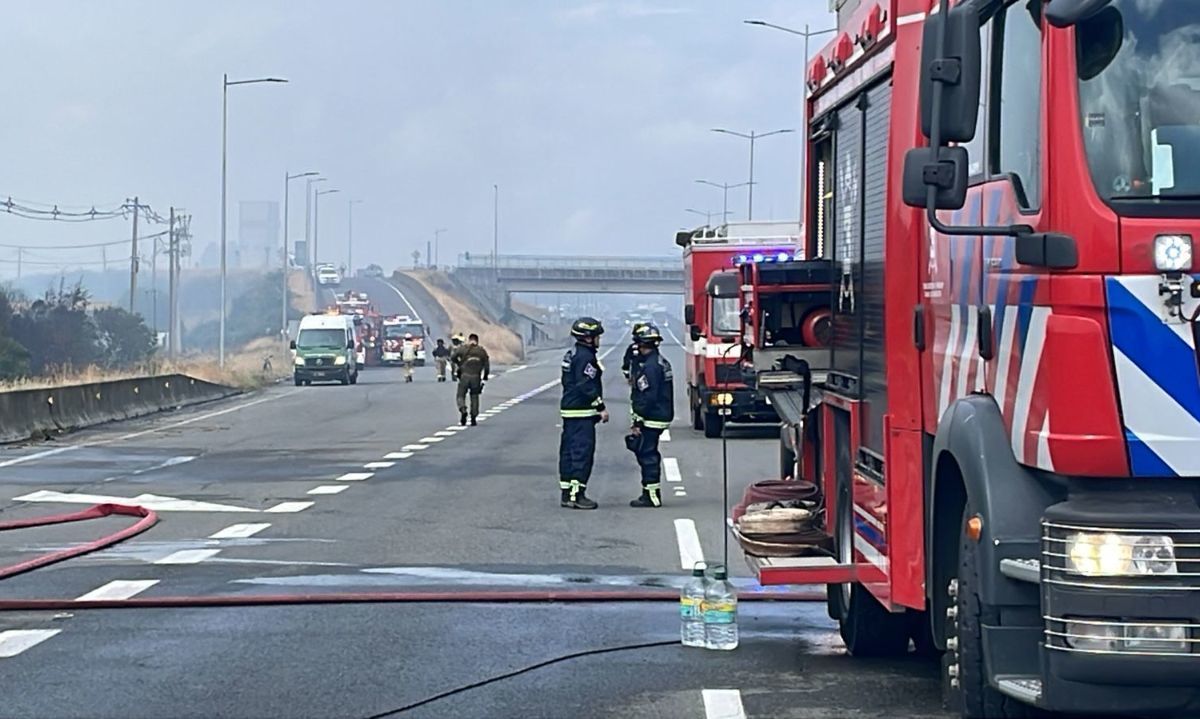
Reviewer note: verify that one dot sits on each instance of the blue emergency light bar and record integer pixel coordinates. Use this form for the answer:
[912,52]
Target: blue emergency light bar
[771,256]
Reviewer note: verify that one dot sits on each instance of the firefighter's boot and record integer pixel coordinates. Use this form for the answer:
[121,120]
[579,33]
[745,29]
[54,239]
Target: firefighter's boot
[473,422]
[650,497]
[576,497]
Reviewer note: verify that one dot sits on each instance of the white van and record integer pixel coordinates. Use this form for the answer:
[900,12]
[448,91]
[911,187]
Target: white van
[325,350]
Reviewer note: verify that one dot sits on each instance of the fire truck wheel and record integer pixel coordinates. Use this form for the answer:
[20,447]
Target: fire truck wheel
[697,416]
[979,699]
[298,381]
[713,423]
[869,630]
[787,458]
[921,634]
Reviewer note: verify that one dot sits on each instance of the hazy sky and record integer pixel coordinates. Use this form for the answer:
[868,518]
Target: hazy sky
[593,117]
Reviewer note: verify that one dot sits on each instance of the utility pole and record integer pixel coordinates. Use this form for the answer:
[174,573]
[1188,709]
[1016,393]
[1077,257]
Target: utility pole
[172,282]
[104,258]
[437,235]
[133,258]
[429,254]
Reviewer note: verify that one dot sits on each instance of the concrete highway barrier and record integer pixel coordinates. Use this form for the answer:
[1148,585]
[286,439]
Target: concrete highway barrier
[37,413]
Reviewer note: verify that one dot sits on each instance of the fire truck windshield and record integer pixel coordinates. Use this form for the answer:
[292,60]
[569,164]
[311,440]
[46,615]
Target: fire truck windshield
[725,319]
[1139,87]
[398,331]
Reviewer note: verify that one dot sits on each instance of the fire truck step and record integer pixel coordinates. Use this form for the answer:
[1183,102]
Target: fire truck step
[1027,689]
[775,571]
[1022,570]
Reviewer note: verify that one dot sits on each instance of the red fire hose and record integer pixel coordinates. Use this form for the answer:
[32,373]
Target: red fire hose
[149,518]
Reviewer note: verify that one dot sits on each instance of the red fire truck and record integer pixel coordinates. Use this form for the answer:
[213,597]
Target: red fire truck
[1005,425]
[714,375]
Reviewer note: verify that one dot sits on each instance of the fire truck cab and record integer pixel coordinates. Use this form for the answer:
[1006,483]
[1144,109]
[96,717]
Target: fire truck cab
[1007,437]
[717,389]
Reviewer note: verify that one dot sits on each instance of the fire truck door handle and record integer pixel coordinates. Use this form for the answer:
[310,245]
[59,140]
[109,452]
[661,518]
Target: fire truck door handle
[987,340]
[919,327]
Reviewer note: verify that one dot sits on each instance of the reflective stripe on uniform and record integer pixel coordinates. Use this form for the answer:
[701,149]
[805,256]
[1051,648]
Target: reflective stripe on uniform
[564,484]
[652,490]
[655,424]
[578,413]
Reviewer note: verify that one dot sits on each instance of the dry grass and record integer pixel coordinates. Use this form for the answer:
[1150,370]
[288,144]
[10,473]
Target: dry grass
[502,344]
[243,369]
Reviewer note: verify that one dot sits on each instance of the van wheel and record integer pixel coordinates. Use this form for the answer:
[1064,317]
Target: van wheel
[354,378]
[298,381]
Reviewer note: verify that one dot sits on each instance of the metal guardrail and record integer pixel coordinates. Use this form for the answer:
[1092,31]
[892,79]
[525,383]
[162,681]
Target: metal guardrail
[578,263]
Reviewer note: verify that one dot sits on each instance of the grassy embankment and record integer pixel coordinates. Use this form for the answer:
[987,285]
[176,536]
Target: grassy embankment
[503,345]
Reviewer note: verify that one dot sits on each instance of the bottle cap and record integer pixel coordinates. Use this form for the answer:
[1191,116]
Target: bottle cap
[720,572]
[698,569]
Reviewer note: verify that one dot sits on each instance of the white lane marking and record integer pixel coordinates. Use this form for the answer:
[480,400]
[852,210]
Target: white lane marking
[674,337]
[328,489]
[171,462]
[118,589]
[484,417]
[455,428]
[689,543]
[723,704]
[149,501]
[412,312]
[188,556]
[289,507]
[355,476]
[15,641]
[680,492]
[666,436]
[431,440]
[133,435]
[518,368]
[444,433]
[397,455]
[414,447]
[378,465]
[239,531]
[671,469]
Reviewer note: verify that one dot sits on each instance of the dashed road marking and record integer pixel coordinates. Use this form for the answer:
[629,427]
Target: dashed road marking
[455,428]
[355,476]
[666,436]
[723,704]
[414,447]
[118,589]
[432,440]
[671,469]
[239,531]
[328,489]
[15,641]
[518,368]
[689,543]
[444,433]
[289,507]
[397,455]
[484,417]
[378,465]
[680,492]
[188,556]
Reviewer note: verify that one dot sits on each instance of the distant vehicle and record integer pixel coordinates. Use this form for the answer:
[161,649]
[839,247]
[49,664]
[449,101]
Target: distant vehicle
[394,331]
[371,271]
[328,276]
[325,350]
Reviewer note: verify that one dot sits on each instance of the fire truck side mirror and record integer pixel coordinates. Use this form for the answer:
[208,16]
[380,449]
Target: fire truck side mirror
[689,314]
[957,70]
[943,168]
[696,334]
[292,344]
[1065,13]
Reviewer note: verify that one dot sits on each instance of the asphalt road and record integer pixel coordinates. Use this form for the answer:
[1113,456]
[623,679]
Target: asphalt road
[372,488]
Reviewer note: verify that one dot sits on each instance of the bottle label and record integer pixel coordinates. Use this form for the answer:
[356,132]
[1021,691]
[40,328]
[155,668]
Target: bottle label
[720,612]
[689,608]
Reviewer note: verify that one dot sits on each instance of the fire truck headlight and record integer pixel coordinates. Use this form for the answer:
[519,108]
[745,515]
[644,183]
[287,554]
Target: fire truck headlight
[1173,253]
[339,360]
[721,399]
[1115,555]
[298,361]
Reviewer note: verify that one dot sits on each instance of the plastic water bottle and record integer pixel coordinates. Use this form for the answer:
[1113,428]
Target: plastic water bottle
[691,608]
[720,612]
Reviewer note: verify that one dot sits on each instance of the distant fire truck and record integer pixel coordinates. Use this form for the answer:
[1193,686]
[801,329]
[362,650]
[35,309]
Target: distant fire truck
[713,372]
[998,396]
[395,331]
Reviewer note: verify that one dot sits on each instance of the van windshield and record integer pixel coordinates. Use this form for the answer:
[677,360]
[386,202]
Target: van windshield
[314,338]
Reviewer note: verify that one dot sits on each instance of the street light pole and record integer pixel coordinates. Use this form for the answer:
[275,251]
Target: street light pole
[350,234]
[287,184]
[707,214]
[724,187]
[751,137]
[317,220]
[309,256]
[225,85]
[806,33]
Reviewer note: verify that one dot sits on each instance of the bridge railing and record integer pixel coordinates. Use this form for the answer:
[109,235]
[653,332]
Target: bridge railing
[571,263]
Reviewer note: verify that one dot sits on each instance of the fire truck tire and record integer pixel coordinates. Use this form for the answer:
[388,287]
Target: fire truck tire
[697,413]
[921,633]
[298,381]
[869,630]
[978,699]
[713,423]
[787,460]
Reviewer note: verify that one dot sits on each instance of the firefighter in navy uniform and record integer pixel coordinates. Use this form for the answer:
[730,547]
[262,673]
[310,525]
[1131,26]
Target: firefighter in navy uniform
[631,352]
[582,406]
[652,397]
